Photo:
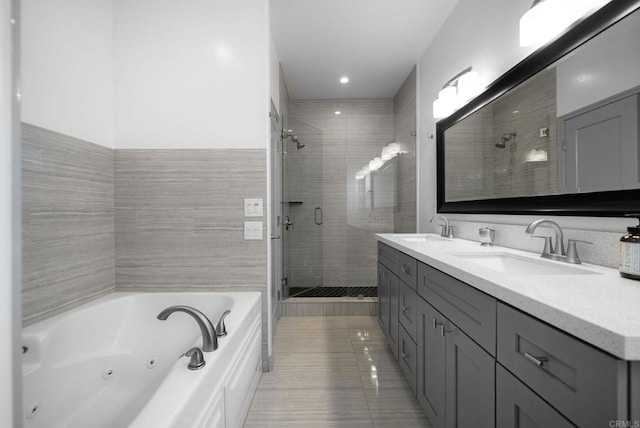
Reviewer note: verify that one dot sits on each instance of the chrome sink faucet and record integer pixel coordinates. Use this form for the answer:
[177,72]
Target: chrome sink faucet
[209,336]
[550,248]
[447,231]
[555,251]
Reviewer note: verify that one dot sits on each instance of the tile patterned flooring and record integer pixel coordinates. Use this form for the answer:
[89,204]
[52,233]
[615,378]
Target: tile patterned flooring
[333,372]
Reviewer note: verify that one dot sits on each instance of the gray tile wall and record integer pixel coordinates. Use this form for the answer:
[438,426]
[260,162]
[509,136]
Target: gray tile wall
[179,218]
[404,132]
[68,222]
[179,221]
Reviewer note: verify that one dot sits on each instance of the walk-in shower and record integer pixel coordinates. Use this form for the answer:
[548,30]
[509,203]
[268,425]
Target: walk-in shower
[338,192]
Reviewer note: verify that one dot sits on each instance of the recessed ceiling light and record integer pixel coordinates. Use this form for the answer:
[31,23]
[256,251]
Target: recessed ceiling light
[515,111]
[344,79]
[338,112]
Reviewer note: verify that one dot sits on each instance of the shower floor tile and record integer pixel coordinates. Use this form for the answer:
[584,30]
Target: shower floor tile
[333,292]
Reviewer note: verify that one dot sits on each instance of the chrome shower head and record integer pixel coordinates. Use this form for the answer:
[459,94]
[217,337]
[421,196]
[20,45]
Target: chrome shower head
[294,138]
[502,143]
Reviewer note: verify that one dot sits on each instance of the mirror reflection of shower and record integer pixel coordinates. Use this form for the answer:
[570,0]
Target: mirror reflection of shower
[502,143]
[288,133]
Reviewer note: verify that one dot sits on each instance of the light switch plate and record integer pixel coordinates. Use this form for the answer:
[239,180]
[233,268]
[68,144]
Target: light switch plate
[252,230]
[253,207]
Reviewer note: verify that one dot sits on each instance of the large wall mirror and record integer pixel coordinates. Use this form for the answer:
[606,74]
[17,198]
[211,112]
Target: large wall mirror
[558,133]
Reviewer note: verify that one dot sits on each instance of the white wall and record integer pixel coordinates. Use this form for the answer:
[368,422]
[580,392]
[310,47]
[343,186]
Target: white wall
[485,35]
[191,74]
[274,75]
[10,260]
[67,67]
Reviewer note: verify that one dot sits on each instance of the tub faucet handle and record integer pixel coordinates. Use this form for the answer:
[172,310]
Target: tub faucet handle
[197,359]
[221,328]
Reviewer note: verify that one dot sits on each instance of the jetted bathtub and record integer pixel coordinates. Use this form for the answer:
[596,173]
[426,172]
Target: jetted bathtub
[111,363]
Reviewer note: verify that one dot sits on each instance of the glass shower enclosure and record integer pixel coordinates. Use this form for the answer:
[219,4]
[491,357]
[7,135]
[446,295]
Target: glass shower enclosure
[302,210]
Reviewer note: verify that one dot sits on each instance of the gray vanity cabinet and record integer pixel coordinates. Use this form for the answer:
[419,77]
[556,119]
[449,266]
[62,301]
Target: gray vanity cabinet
[392,334]
[407,357]
[470,382]
[388,306]
[383,297]
[634,393]
[455,375]
[474,361]
[519,406]
[431,363]
[588,386]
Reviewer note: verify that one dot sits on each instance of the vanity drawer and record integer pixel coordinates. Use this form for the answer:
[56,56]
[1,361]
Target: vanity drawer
[388,256]
[407,354]
[408,309]
[468,308]
[408,270]
[588,386]
[517,405]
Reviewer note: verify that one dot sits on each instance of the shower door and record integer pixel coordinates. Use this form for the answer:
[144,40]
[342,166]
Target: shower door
[302,208]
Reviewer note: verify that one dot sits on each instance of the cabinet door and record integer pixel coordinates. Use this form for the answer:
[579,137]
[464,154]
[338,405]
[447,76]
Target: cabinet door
[392,336]
[408,299]
[431,363]
[383,298]
[634,392]
[470,382]
[585,384]
[518,406]
[407,359]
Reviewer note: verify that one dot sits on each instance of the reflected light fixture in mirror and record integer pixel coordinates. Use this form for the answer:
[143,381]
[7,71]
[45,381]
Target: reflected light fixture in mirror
[548,18]
[455,93]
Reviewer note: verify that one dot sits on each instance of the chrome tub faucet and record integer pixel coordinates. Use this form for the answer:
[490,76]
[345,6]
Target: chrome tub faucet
[209,336]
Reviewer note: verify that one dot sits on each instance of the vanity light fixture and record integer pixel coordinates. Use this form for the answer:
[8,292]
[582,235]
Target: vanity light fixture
[548,18]
[455,93]
[344,79]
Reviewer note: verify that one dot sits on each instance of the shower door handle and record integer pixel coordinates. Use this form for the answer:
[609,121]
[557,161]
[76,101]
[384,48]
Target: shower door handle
[317,216]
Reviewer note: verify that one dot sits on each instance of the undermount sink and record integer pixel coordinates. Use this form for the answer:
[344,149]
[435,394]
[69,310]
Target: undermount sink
[424,238]
[518,265]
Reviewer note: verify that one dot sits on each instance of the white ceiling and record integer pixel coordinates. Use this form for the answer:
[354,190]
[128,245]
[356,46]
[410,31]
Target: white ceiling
[374,42]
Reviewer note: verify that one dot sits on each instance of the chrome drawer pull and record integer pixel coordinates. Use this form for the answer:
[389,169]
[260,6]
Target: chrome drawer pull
[405,269]
[436,323]
[538,361]
[404,308]
[443,331]
[403,355]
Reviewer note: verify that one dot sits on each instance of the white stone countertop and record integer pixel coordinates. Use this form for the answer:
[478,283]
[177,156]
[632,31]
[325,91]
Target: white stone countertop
[597,305]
